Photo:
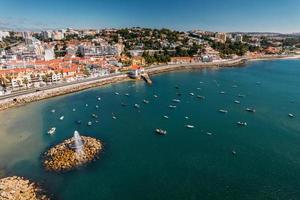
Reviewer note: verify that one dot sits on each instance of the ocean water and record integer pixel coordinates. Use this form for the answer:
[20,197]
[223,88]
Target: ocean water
[137,163]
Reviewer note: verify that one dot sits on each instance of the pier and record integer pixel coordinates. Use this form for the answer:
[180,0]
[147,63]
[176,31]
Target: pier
[146,77]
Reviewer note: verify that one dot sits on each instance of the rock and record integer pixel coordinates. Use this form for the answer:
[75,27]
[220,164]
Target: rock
[63,158]
[14,188]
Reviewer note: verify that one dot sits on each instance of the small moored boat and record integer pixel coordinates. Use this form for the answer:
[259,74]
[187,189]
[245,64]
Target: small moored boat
[200,97]
[62,117]
[53,110]
[94,116]
[242,123]
[233,152]
[237,102]
[89,123]
[166,117]
[52,131]
[136,105]
[160,131]
[189,126]
[145,101]
[250,110]
[223,111]
[176,100]
[192,94]
[291,115]
[172,106]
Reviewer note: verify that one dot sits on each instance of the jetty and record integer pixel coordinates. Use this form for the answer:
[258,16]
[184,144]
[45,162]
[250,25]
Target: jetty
[146,77]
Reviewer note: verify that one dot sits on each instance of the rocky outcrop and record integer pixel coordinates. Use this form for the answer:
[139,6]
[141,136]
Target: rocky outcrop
[18,188]
[63,158]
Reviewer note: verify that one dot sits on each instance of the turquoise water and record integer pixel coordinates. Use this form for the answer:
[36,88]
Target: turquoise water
[186,163]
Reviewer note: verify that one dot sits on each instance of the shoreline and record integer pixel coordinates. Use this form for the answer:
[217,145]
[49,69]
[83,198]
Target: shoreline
[20,100]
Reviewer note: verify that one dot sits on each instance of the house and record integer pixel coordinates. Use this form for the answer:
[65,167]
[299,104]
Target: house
[138,60]
[136,71]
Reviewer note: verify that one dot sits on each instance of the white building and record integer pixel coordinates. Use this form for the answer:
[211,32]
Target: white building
[49,53]
[57,35]
[46,35]
[238,38]
[4,34]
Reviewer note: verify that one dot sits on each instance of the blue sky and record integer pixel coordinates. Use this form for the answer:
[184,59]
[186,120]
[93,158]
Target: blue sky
[214,15]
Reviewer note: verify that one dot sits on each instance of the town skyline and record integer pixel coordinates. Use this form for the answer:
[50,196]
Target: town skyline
[237,16]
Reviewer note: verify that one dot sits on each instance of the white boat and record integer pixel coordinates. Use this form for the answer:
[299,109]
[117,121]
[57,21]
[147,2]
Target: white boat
[97,106]
[250,110]
[155,96]
[99,99]
[242,123]
[94,116]
[233,152]
[136,105]
[116,93]
[237,102]
[172,106]
[52,131]
[208,133]
[189,126]
[201,82]
[198,88]
[186,117]
[53,110]
[62,117]
[223,111]
[160,131]
[145,101]
[166,117]
[176,100]
[192,94]
[241,95]
[200,97]
[89,123]
[73,109]
[291,115]
[114,117]
[222,92]
[86,105]
[234,86]
[126,94]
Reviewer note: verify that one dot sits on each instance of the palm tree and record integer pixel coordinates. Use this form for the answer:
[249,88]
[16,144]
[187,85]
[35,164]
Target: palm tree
[25,81]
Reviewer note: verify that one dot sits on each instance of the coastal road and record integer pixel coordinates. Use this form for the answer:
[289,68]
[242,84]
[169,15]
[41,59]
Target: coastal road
[54,86]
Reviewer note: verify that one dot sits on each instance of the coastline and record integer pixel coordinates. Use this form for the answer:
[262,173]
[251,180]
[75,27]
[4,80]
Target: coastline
[152,70]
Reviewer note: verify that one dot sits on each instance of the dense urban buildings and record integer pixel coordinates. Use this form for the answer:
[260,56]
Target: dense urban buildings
[36,59]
